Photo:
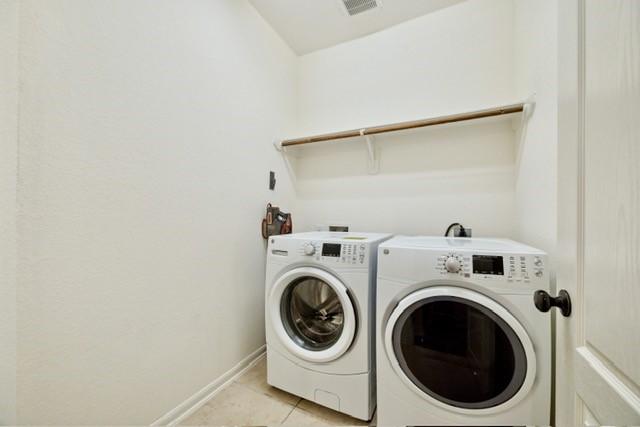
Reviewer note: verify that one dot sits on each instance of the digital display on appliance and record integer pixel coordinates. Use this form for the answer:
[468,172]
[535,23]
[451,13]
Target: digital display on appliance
[488,264]
[331,249]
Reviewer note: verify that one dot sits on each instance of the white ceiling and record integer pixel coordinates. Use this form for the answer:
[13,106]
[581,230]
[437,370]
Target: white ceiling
[309,25]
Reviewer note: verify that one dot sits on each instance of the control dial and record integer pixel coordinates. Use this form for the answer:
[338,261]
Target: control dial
[452,264]
[309,249]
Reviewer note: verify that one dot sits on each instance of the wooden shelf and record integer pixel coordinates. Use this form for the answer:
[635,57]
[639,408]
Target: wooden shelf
[433,121]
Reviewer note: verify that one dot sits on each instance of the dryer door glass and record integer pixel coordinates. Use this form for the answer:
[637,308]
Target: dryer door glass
[459,352]
[312,313]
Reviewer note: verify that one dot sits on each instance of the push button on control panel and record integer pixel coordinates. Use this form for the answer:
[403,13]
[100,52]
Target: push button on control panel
[339,253]
[538,267]
[523,268]
[518,269]
[349,254]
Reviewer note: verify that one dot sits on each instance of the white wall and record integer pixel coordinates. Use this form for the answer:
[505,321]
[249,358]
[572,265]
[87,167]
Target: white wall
[8,178]
[457,59]
[145,146]
[536,47]
[427,180]
[145,143]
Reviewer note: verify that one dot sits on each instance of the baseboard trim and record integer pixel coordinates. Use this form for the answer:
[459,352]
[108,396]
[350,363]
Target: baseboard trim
[198,400]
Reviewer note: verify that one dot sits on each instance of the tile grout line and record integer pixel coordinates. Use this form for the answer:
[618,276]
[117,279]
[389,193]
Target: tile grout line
[291,411]
[328,421]
[265,394]
[295,406]
[311,414]
[273,398]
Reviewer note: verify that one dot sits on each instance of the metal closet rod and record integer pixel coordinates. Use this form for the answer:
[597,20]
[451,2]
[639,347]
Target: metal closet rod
[452,118]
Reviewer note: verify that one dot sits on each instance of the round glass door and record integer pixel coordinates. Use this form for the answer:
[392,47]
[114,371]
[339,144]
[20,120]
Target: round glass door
[461,349]
[312,313]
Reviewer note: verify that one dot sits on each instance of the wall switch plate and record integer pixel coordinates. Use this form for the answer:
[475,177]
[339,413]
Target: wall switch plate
[272,180]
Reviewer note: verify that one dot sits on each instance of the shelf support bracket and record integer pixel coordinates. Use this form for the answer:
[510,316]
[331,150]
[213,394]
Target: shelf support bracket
[287,161]
[528,108]
[373,163]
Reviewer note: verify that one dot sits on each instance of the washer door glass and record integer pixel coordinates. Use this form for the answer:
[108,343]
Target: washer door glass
[312,313]
[459,352]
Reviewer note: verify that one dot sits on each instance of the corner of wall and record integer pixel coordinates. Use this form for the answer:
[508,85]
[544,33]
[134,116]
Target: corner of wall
[535,67]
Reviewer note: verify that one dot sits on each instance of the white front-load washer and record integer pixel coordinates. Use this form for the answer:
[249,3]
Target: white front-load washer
[459,339]
[319,317]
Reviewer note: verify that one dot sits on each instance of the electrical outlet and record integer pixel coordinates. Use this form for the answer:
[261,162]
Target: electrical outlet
[457,230]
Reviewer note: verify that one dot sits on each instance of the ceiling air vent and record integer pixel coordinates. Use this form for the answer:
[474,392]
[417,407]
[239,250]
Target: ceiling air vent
[355,7]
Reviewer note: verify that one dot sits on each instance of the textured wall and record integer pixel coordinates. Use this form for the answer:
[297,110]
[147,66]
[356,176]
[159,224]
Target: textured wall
[453,60]
[8,178]
[146,130]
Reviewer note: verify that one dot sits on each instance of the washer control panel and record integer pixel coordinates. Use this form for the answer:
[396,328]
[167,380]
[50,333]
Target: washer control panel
[512,268]
[335,253]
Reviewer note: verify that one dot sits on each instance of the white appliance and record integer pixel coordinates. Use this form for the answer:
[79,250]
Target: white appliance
[320,302]
[459,339]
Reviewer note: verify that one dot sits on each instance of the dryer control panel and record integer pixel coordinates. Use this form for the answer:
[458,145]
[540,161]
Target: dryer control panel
[511,268]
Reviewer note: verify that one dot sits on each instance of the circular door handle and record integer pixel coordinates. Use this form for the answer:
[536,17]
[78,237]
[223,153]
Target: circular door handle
[544,302]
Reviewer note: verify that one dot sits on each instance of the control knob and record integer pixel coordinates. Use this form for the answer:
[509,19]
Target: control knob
[309,249]
[452,264]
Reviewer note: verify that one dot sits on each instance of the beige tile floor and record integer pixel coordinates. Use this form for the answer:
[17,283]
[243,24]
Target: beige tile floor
[250,401]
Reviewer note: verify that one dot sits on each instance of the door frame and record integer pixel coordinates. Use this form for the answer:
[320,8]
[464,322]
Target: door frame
[570,256]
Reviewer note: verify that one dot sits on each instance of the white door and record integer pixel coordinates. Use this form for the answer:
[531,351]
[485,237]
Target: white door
[598,347]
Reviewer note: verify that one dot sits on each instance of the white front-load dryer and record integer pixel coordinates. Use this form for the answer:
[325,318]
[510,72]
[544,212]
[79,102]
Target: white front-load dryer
[319,318]
[459,339]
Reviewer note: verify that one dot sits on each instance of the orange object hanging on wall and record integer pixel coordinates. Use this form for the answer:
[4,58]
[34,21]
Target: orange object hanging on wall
[276,222]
